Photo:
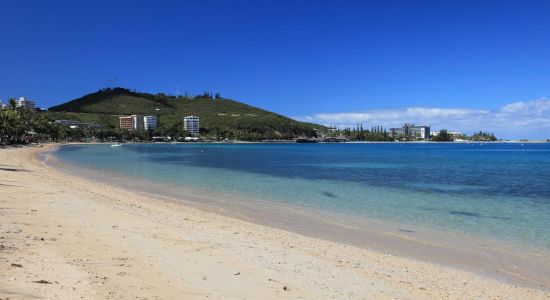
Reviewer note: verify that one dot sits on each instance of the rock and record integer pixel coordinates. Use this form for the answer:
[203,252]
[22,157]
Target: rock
[238,273]
[17,265]
[286,288]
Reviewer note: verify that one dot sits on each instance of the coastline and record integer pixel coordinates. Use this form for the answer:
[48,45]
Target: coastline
[112,242]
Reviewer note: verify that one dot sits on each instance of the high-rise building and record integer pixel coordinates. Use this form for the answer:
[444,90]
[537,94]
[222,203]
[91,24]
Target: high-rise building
[137,121]
[126,122]
[419,131]
[191,124]
[411,130]
[150,122]
[131,122]
[25,103]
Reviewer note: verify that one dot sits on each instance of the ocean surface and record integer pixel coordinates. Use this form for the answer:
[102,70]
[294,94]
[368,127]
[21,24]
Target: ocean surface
[496,191]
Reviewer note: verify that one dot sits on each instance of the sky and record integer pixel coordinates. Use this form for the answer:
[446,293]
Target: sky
[460,65]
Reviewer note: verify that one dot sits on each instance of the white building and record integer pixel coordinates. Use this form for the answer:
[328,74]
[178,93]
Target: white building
[411,130]
[2,106]
[76,124]
[453,134]
[191,124]
[137,121]
[25,103]
[150,122]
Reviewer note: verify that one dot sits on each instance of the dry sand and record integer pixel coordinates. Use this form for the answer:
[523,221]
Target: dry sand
[65,237]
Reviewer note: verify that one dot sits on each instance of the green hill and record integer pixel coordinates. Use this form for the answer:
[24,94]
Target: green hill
[218,117]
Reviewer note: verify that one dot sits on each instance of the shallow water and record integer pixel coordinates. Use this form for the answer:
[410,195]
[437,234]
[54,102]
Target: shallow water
[495,191]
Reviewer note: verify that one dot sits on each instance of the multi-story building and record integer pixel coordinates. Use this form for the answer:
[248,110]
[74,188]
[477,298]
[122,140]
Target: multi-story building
[137,121]
[68,122]
[25,103]
[133,122]
[191,124]
[419,131]
[150,122]
[126,123]
[75,124]
[454,134]
[411,130]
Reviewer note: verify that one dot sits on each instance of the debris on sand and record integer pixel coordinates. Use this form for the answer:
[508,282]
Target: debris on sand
[42,281]
[2,247]
[17,265]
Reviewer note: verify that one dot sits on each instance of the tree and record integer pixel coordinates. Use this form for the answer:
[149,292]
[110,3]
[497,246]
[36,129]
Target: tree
[12,103]
[41,124]
[14,124]
[483,136]
[443,136]
[8,120]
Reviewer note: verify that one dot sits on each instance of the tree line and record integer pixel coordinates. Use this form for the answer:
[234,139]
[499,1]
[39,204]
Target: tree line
[379,133]
[358,133]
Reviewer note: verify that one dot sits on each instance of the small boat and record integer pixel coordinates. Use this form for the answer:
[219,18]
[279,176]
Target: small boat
[116,145]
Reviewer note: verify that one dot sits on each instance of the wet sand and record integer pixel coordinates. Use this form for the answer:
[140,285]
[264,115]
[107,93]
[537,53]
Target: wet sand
[68,237]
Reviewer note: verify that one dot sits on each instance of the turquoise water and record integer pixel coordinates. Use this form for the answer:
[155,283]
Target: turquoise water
[501,191]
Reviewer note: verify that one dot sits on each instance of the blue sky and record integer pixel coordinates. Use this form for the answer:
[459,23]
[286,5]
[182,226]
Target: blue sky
[448,63]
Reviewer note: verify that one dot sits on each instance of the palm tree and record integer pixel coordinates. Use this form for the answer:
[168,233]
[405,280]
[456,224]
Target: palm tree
[10,125]
[12,103]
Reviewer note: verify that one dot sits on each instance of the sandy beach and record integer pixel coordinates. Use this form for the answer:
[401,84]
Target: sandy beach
[66,237]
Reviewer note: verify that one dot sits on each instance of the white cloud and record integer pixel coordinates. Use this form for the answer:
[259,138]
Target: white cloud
[529,119]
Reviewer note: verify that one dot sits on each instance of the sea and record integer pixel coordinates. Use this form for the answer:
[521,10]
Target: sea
[489,193]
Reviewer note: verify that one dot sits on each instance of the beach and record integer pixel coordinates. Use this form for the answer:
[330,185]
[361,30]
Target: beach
[68,237]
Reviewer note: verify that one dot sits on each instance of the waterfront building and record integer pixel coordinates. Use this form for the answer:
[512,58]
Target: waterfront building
[191,124]
[436,132]
[75,124]
[125,122]
[137,121]
[420,131]
[68,122]
[25,103]
[150,122]
[131,122]
[411,130]
[454,134]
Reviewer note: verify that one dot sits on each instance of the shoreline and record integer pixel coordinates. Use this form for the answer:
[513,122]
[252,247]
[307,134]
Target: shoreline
[155,236]
[287,142]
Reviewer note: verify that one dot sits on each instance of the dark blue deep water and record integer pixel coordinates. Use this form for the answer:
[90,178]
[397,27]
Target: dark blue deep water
[496,190]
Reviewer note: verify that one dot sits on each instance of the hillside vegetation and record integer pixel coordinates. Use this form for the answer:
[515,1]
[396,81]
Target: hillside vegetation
[220,117]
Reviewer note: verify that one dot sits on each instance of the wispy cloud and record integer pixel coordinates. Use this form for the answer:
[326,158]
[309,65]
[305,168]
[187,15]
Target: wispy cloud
[529,119]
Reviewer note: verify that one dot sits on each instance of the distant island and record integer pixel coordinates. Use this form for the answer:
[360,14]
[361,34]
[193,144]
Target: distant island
[96,117]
